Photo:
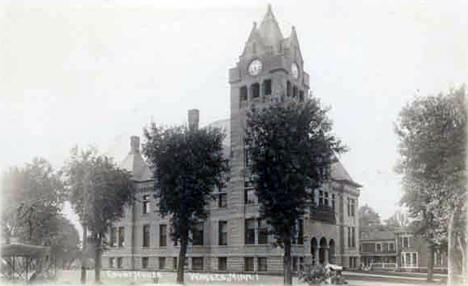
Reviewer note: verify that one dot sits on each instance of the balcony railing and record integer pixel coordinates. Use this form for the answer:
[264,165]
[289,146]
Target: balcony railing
[323,213]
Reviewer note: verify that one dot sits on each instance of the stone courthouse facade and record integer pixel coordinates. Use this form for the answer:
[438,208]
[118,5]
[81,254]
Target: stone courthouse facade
[232,238]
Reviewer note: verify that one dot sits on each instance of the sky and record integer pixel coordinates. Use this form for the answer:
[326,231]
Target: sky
[96,72]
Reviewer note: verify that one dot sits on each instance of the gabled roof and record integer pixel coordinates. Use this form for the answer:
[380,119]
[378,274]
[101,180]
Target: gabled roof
[134,162]
[339,173]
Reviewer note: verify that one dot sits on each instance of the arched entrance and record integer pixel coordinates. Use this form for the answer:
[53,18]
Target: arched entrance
[332,251]
[314,250]
[323,251]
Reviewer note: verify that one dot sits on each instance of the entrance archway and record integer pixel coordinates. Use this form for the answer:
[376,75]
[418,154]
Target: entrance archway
[323,250]
[314,250]
[332,251]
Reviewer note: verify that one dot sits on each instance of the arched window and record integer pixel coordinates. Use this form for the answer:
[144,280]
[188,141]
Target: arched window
[243,93]
[288,89]
[267,87]
[294,92]
[255,90]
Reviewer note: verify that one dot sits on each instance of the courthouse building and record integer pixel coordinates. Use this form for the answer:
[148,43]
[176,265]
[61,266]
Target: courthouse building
[232,238]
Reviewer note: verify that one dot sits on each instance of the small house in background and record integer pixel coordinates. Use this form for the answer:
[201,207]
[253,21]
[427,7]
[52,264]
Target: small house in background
[399,250]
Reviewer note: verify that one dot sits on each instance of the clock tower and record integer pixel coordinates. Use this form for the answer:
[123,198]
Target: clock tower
[269,68]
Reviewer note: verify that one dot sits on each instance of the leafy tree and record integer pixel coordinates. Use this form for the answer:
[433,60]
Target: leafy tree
[189,164]
[98,191]
[31,199]
[397,221]
[432,146]
[291,149]
[369,219]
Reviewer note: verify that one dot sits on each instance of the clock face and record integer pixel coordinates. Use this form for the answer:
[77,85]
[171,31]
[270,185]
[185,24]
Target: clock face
[295,70]
[255,67]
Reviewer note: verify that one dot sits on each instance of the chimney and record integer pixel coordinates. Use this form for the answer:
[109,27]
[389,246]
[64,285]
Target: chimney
[134,144]
[193,118]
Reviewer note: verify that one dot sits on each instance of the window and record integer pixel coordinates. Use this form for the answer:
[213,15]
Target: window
[288,89]
[222,235]
[326,199]
[333,201]
[243,93]
[146,235]
[249,196]
[113,237]
[267,87]
[301,95]
[379,247]
[262,263]
[162,262]
[351,207]
[349,237]
[409,259]
[255,90]
[353,235]
[391,247]
[174,263]
[144,262]
[248,264]
[198,234]
[294,263]
[222,263]
[197,263]
[262,232]
[119,262]
[146,204]
[300,231]
[111,262]
[222,200]
[294,92]
[312,198]
[121,236]
[321,198]
[301,263]
[162,235]
[249,231]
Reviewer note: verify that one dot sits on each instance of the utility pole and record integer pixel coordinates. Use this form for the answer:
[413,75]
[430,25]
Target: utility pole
[85,228]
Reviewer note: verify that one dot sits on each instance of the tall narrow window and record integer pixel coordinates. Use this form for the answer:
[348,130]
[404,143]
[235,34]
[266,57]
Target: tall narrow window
[146,204]
[248,264]
[333,201]
[262,264]
[249,196]
[353,235]
[294,92]
[111,262]
[162,235]
[222,200]
[197,263]
[162,262]
[321,198]
[300,231]
[222,263]
[326,199]
[255,90]
[113,237]
[288,89]
[119,262]
[243,93]
[144,262]
[267,87]
[301,95]
[222,228]
[249,231]
[146,235]
[262,232]
[174,263]
[121,236]
[198,234]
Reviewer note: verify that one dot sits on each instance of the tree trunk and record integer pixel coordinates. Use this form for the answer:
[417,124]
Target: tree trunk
[83,254]
[450,264]
[181,261]
[430,263]
[97,260]
[287,264]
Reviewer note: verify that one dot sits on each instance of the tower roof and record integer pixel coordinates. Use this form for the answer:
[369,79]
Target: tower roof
[134,162]
[269,30]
